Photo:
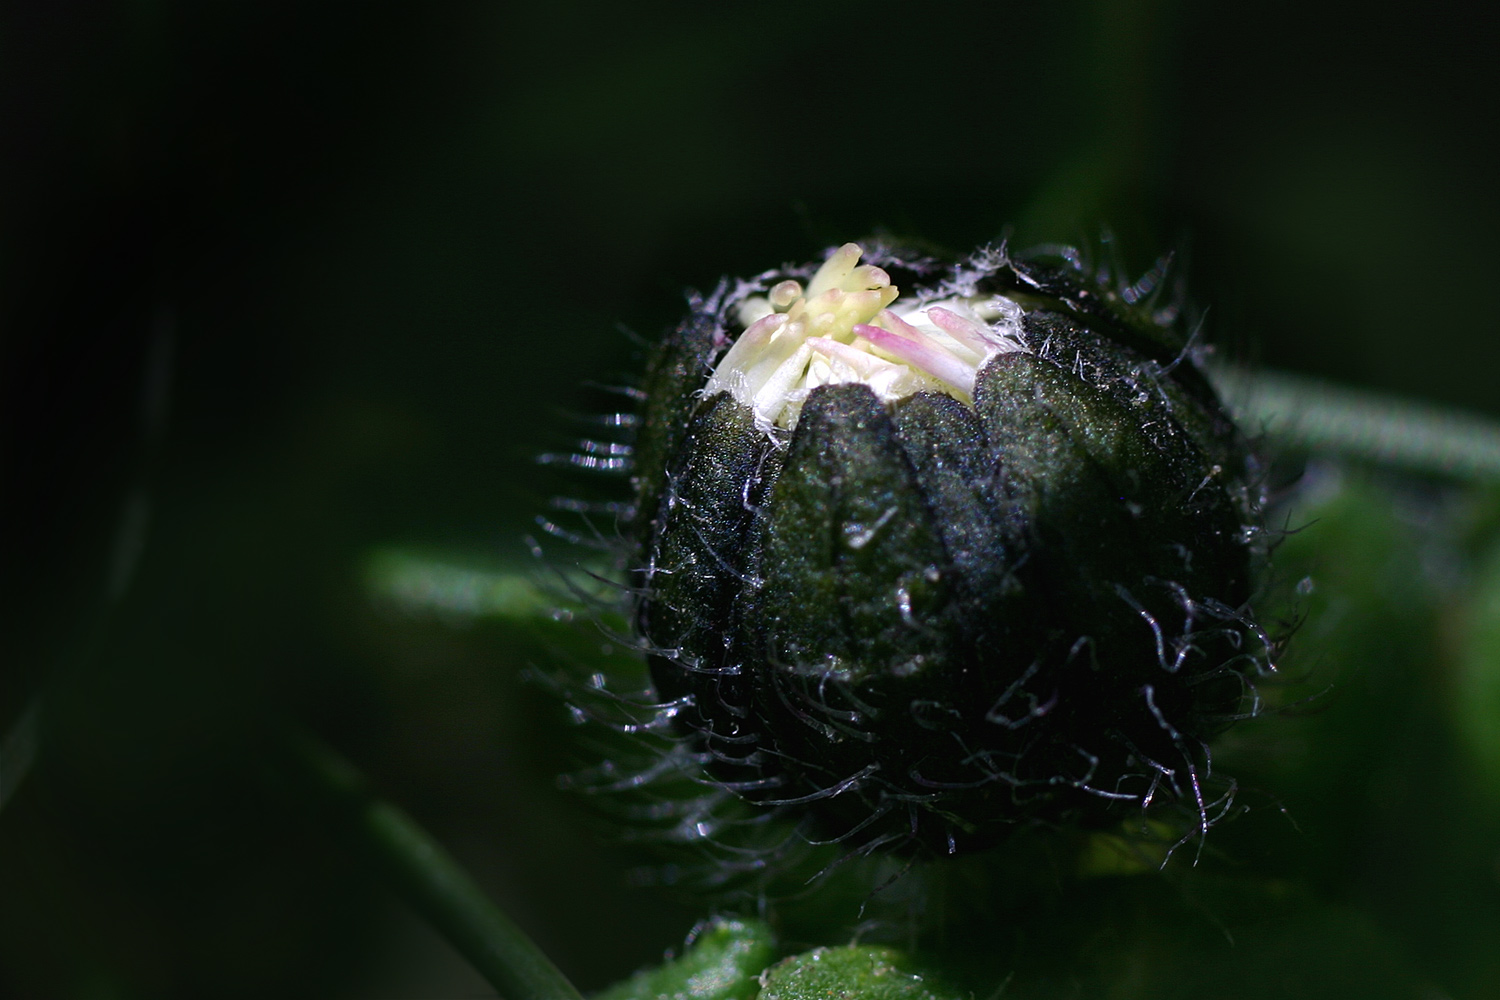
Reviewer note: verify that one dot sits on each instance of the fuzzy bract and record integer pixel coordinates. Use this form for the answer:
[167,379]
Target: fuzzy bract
[919,553]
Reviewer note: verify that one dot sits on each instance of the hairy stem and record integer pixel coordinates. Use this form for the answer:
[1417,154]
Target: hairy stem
[1305,413]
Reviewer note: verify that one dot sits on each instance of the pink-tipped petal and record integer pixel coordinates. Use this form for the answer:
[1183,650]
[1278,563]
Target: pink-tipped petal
[865,330]
[922,356]
[835,269]
[760,331]
[970,333]
[866,303]
[785,293]
[859,361]
[896,324]
[743,353]
[868,276]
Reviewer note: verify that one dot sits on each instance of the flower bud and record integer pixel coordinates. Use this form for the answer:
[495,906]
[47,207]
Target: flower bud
[925,552]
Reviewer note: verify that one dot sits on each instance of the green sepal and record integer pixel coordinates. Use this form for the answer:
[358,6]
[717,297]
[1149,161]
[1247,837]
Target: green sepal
[853,605]
[673,378]
[697,568]
[856,972]
[945,443]
[1180,414]
[852,571]
[1109,508]
[722,964]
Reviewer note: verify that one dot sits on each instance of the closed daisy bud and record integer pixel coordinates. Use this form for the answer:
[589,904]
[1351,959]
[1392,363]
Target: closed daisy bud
[922,552]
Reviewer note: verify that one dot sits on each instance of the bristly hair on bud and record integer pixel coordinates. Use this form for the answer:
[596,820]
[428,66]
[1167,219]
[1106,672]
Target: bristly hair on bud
[919,553]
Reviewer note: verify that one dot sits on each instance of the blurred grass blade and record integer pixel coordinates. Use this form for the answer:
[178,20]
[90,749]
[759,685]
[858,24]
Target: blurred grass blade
[19,751]
[432,881]
[1314,415]
[419,582]
[446,586]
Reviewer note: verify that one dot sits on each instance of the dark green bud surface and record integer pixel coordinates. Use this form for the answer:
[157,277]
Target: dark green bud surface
[922,575]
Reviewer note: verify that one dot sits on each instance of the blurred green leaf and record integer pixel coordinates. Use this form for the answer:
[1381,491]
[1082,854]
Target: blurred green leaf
[721,964]
[1476,690]
[855,972]
[1360,787]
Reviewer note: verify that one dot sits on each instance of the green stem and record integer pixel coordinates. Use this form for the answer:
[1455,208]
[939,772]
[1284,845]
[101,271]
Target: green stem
[433,882]
[1317,416]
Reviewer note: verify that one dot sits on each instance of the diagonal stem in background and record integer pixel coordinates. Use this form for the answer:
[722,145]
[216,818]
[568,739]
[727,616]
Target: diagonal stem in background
[429,879]
[1308,414]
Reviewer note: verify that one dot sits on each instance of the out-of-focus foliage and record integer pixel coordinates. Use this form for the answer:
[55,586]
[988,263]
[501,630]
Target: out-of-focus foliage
[1363,859]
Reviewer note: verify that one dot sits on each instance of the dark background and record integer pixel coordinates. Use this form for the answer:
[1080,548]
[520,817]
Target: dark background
[283,283]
